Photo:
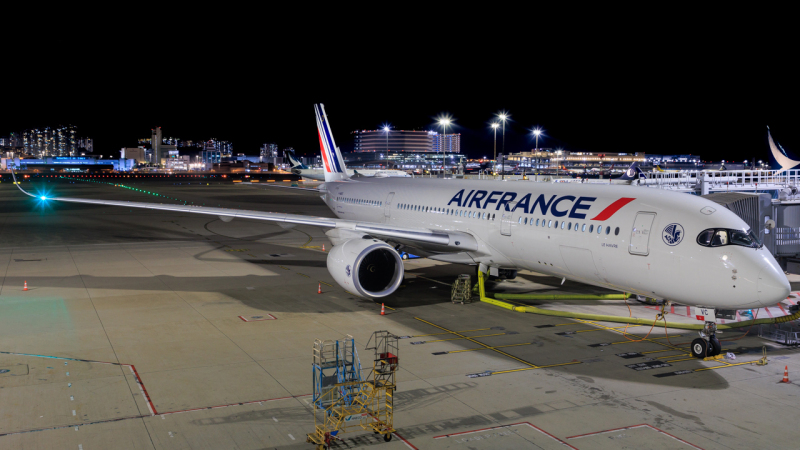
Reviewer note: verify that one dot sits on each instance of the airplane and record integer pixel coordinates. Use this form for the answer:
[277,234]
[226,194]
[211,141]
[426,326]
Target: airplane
[652,242]
[304,171]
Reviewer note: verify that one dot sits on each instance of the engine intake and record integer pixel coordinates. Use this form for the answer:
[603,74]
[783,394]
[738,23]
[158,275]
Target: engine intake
[367,267]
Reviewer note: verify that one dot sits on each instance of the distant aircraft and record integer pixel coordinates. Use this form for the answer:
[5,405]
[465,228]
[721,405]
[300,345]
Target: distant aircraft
[778,156]
[304,171]
[652,242]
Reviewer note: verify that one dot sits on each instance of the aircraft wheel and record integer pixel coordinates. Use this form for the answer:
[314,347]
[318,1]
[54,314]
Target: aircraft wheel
[699,348]
[387,437]
[715,347]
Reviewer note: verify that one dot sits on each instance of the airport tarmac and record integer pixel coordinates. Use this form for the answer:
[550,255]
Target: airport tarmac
[144,329]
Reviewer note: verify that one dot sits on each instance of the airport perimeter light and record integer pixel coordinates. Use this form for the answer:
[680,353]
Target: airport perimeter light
[386,129]
[494,127]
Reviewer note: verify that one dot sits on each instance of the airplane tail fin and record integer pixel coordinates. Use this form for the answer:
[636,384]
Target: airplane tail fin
[779,159]
[634,172]
[292,159]
[332,159]
[658,168]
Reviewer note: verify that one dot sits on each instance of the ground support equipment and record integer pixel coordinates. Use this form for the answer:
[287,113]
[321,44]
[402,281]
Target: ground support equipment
[366,404]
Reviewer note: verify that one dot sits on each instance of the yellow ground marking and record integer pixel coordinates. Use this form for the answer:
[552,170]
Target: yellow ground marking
[460,338]
[479,343]
[284,268]
[326,284]
[303,275]
[600,329]
[490,348]
[637,337]
[462,331]
[538,367]
[435,281]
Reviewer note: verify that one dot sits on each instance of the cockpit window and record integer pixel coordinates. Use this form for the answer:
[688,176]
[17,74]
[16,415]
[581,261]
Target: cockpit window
[717,237]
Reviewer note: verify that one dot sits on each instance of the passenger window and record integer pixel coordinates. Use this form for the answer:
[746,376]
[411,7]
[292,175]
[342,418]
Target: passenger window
[549,223]
[562,225]
[519,221]
[556,224]
[492,216]
[616,231]
[599,229]
[569,226]
[591,228]
[537,222]
[484,216]
[608,230]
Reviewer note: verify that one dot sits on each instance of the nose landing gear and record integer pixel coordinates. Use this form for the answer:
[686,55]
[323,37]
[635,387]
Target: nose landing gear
[707,344]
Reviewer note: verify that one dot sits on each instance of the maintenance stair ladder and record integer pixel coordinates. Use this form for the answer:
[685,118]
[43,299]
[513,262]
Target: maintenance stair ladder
[367,404]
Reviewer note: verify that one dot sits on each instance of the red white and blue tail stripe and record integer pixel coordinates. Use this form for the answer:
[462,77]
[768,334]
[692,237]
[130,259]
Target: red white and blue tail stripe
[331,157]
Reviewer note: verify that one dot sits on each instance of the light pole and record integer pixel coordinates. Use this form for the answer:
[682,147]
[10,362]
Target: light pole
[537,132]
[494,160]
[386,129]
[444,122]
[503,116]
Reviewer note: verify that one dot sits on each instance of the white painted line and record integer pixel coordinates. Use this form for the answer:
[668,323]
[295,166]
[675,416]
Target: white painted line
[76,428]
[170,434]
[73,412]
[275,419]
[80,446]
[71,398]
[291,437]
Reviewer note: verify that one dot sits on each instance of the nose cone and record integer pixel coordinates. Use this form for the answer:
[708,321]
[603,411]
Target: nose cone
[772,285]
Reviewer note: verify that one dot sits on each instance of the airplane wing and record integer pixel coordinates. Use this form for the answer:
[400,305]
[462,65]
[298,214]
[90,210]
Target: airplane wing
[437,241]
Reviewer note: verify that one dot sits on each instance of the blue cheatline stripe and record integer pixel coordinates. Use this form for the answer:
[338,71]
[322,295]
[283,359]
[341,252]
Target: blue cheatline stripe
[329,140]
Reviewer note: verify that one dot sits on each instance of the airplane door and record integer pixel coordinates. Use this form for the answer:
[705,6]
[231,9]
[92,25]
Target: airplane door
[506,219]
[387,213]
[640,235]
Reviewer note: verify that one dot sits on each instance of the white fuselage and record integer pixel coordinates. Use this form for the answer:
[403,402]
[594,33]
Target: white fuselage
[553,229]
[319,174]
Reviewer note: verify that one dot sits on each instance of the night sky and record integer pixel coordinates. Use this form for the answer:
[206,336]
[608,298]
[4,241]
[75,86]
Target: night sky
[659,100]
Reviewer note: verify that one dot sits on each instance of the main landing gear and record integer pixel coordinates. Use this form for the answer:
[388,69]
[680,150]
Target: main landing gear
[707,344]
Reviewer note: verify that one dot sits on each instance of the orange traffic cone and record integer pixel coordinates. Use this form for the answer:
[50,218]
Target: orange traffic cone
[383,311]
[785,375]
[319,288]
[323,247]
[25,288]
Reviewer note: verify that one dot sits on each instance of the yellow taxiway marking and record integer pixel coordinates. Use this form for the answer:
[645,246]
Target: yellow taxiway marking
[303,275]
[490,348]
[659,351]
[637,337]
[479,343]
[284,268]
[537,367]
[435,281]
[439,334]
[460,338]
[600,329]
[726,365]
[326,284]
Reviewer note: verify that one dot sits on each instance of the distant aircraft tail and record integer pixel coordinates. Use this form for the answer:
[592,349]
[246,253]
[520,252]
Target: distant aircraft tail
[779,159]
[331,156]
[658,168]
[295,163]
[634,172]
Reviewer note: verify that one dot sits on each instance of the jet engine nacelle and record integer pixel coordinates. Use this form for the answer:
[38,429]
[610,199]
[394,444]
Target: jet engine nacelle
[366,266]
